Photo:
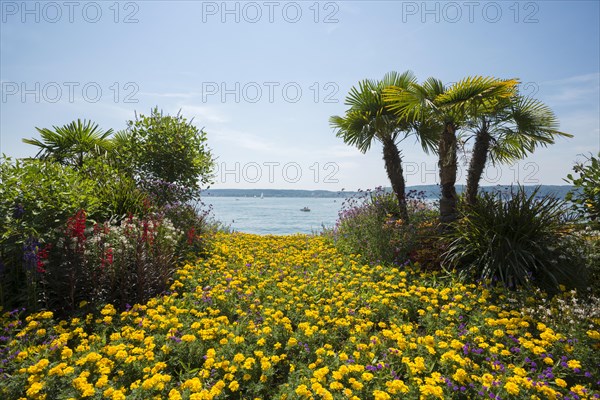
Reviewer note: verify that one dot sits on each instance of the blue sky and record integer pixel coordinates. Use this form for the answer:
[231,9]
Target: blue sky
[263,78]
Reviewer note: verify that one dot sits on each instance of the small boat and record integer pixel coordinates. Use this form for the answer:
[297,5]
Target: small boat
[305,209]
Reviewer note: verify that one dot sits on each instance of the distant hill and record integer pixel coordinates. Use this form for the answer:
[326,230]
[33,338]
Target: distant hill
[429,191]
[274,193]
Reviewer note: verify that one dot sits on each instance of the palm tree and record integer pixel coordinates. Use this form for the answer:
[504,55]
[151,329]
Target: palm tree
[509,131]
[71,144]
[451,108]
[368,119]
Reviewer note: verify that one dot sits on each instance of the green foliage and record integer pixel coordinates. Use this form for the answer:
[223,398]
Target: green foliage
[517,241]
[367,226]
[167,154]
[197,226]
[82,175]
[586,197]
[36,198]
[118,192]
[72,144]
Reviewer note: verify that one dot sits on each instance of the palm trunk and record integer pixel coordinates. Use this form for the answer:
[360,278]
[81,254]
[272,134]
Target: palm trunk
[447,165]
[477,164]
[393,167]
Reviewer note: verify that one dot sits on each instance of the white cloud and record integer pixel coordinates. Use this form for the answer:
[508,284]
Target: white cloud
[574,89]
[203,114]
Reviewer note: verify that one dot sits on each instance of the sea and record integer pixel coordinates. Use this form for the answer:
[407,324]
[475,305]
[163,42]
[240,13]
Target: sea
[281,214]
[275,215]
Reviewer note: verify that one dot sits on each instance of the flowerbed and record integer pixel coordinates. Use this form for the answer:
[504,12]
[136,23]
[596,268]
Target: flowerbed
[290,317]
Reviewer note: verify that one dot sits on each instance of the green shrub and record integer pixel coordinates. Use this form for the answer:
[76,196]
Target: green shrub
[367,226]
[519,240]
[586,197]
[166,154]
[121,249]
[36,198]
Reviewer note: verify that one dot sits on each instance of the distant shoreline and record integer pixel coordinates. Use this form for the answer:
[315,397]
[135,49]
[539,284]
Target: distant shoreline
[429,191]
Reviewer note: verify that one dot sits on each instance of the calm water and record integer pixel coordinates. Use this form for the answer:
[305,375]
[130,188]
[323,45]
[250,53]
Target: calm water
[277,215]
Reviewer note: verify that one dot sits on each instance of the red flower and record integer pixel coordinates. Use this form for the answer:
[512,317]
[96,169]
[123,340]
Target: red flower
[76,225]
[191,235]
[42,255]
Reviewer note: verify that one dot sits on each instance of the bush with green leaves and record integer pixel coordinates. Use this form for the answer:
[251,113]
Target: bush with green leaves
[149,172]
[586,196]
[368,225]
[36,198]
[518,240]
[166,154]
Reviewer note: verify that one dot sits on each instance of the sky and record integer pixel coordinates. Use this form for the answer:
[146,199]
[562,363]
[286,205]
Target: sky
[263,78]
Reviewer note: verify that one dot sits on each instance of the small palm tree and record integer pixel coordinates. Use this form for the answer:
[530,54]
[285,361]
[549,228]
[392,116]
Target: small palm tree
[509,131]
[451,109]
[368,120]
[71,144]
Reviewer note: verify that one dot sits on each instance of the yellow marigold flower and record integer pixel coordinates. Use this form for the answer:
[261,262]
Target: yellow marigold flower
[109,309]
[302,390]
[356,385]
[188,338]
[560,382]
[38,367]
[574,364]
[396,386]
[321,373]
[431,390]
[594,334]
[460,375]
[511,388]
[578,389]
[34,389]
[118,395]
[367,376]
[234,386]
[381,395]
[239,339]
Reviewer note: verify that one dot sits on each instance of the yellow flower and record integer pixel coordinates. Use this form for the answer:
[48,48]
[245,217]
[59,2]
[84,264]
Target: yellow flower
[367,376]
[594,334]
[380,395]
[188,338]
[34,389]
[303,391]
[460,375]
[234,386]
[560,382]
[511,388]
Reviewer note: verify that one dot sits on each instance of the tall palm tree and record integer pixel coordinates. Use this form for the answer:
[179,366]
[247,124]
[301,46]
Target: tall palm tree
[368,120]
[71,144]
[452,108]
[507,132]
